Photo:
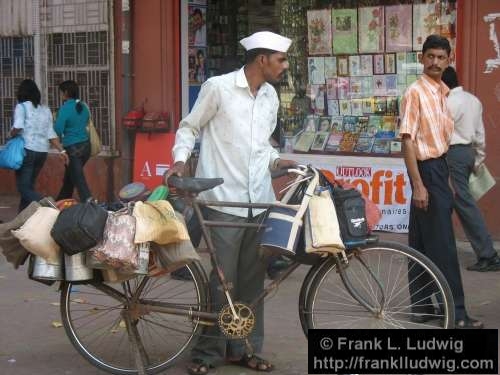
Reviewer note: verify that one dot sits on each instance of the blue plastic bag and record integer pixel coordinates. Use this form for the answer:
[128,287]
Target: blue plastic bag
[12,156]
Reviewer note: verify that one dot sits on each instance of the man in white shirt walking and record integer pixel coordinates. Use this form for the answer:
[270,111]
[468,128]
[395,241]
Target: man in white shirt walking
[234,116]
[466,154]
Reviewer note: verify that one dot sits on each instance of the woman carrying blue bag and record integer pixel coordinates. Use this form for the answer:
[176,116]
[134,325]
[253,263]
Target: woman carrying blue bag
[33,122]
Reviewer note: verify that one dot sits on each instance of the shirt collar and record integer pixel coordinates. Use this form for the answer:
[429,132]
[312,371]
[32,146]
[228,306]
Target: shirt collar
[241,81]
[434,86]
[456,89]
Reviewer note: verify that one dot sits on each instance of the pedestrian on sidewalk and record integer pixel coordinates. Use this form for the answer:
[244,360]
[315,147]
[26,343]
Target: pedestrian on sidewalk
[72,126]
[466,154]
[426,129]
[33,122]
[234,116]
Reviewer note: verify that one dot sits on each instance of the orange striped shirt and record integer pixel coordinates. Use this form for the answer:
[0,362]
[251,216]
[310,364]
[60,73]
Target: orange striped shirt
[425,117]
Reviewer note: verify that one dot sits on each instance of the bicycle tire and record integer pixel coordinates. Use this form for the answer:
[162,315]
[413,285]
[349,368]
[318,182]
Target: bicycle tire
[107,347]
[397,311]
[304,290]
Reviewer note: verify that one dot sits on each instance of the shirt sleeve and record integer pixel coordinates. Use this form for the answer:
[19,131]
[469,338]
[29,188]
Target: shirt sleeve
[203,111]
[273,153]
[51,134]
[410,113]
[19,116]
[479,139]
[60,122]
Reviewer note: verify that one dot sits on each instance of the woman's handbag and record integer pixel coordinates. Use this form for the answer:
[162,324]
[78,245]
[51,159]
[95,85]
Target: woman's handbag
[12,156]
[95,141]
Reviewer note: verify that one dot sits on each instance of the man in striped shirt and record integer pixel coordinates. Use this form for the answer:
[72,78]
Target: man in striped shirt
[426,129]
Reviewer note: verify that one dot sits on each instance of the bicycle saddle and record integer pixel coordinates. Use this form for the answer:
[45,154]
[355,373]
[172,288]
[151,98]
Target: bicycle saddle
[194,184]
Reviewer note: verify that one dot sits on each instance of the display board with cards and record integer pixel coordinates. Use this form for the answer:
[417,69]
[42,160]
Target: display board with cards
[359,62]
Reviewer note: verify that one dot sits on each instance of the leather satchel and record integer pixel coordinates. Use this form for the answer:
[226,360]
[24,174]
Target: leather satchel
[79,227]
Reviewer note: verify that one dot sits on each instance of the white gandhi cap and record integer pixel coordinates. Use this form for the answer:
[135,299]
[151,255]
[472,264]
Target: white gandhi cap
[267,40]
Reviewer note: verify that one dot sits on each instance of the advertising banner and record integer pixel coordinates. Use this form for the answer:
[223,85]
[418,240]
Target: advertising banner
[383,180]
[152,157]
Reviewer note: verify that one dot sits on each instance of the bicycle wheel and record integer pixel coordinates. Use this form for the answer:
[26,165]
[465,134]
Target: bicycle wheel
[396,287]
[92,318]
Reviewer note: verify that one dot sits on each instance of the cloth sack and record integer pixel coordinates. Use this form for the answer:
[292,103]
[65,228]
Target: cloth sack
[168,258]
[95,141]
[35,237]
[322,228]
[10,246]
[117,248]
[79,227]
[12,156]
[157,222]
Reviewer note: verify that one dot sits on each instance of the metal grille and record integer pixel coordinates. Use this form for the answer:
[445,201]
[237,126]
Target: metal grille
[82,57]
[16,63]
[73,40]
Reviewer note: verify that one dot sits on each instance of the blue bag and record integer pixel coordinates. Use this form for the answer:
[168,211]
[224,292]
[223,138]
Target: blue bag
[12,156]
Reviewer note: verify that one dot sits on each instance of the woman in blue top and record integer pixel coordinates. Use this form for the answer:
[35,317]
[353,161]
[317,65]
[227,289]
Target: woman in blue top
[71,126]
[33,122]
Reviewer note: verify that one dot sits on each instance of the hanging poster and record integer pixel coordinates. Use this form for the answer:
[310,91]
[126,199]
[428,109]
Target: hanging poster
[371,29]
[425,23]
[398,28]
[345,31]
[319,28]
[197,35]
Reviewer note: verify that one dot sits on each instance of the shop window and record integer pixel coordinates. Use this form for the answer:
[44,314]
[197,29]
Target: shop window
[349,65]
[350,62]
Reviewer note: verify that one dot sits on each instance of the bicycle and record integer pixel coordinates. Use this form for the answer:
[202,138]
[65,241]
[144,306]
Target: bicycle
[146,323]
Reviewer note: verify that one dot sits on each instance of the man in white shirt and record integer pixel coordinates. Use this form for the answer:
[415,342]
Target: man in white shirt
[466,154]
[234,117]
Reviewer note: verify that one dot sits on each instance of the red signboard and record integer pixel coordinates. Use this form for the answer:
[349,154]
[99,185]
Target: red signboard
[152,157]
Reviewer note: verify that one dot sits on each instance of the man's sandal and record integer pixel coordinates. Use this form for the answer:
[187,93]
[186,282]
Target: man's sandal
[254,362]
[468,323]
[199,367]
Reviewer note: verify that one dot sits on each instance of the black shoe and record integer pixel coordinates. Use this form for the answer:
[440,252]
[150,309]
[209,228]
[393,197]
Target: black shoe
[421,318]
[485,265]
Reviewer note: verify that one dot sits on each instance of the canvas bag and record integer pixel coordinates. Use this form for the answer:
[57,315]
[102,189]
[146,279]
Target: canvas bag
[35,237]
[156,222]
[283,223]
[10,246]
[95,141]
[322,228]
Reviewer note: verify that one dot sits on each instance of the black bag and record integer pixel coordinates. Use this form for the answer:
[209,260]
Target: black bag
[79,227]
[351,214]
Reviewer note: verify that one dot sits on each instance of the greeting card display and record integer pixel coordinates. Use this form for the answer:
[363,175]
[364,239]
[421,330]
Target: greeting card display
[345,31]
[319,32]
[371,26]
[398,29]
[316,70]
[330,67]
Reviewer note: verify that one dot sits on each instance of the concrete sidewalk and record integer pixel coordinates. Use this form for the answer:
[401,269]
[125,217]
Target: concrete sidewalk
[30,345]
